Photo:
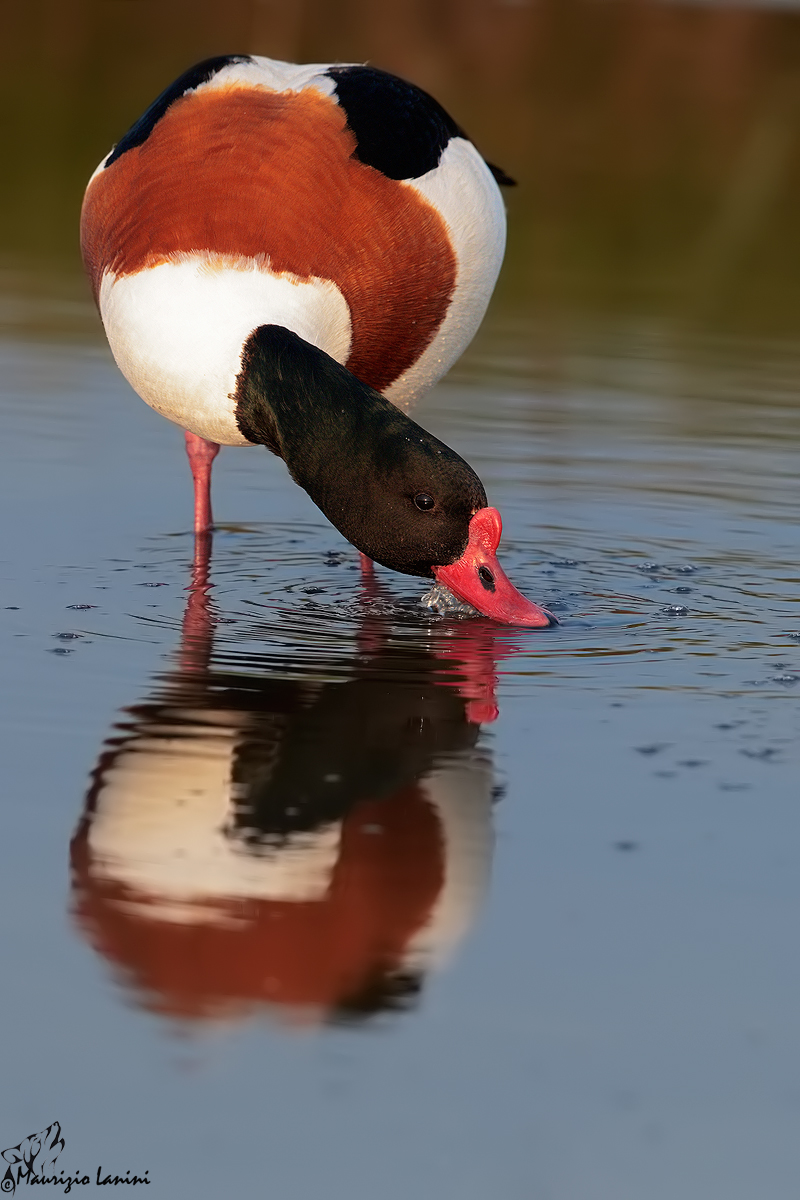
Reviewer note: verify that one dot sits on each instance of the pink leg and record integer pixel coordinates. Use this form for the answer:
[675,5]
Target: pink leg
[201,455]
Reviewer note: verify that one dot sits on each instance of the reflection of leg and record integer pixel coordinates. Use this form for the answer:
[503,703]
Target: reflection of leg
[372,632]
[201,565]
[367,566]
[201,455]
[198,623]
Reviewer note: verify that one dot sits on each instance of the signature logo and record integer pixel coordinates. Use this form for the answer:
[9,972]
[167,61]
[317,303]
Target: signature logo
[34,1161]
[34,1156]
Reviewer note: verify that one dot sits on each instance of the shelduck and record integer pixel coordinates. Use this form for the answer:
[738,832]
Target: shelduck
[291,256]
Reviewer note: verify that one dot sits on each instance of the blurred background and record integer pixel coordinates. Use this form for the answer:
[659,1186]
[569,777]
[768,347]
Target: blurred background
[655,143]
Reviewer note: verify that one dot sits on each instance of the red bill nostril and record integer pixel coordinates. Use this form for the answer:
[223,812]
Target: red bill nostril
[487,578]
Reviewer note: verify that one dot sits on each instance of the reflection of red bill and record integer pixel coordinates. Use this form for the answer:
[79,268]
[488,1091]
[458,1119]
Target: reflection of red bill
[473,652]
[478,578]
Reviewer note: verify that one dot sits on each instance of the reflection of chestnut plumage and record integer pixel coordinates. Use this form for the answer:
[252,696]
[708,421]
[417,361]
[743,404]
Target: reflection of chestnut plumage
[313,846]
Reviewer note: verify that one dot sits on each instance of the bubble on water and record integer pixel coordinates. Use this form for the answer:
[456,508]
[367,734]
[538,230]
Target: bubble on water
[685,569]
[440,600]
[152,585]
[565,562]
[60,650]
[787,679]
[648,566]
[676,610]
[684,591]
[81,607]
[313,591]
[68,637]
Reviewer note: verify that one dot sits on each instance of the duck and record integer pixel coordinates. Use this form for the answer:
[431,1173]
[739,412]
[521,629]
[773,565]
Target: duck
[290,256]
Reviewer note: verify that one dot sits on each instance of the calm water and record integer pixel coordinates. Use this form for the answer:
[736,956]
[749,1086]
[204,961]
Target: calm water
[307,891]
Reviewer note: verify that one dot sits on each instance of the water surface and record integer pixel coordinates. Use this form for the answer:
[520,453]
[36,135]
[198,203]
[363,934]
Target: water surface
[309,886]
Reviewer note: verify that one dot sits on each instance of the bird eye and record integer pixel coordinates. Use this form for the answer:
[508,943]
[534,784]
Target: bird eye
[424,501]
[487,578]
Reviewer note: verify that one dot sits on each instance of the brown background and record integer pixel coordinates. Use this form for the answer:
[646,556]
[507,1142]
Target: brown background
[655,143]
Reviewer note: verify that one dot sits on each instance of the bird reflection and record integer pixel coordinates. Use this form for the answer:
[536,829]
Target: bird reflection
[311,846]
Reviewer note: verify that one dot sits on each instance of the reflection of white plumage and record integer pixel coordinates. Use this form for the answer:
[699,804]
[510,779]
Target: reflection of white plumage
[160,821]
[161,815]
[460,792]
[407,885]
